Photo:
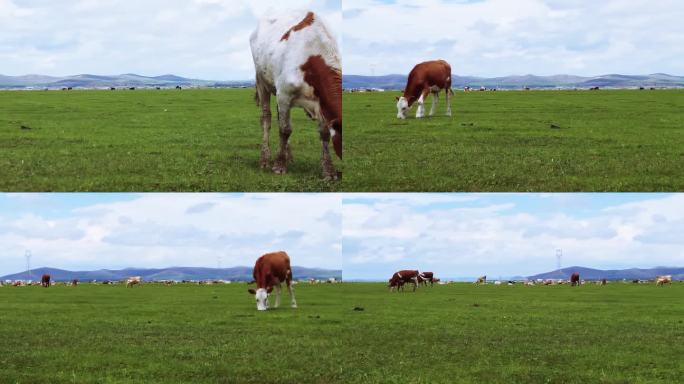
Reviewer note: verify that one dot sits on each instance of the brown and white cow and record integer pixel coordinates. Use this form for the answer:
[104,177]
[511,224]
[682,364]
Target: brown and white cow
[425,277]
[428,77]
[481,280]
[575,279]
[133,280]
[270,270]
[665,279]
[402,277]
[45,280]
[297,60]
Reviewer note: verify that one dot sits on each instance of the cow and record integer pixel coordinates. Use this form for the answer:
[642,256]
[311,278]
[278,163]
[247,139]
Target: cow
[425,277]
[575,279]
[133,280]
[428,77]
[45,280]
[481,280]
[662,280]
[270,270]
[74,282]
[296,59]
[399,278]
[604,281]
[178,87]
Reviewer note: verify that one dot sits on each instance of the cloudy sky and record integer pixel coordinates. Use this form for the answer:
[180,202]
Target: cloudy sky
[93,231]
[505,37]
[206,39]
[461,235]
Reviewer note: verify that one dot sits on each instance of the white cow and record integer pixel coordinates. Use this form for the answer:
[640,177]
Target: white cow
[665,279]
[133,280]
[297,60]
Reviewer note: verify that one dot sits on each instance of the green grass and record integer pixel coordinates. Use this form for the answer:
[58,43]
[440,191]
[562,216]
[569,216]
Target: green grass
[147,140]
[620,333]
[611,140]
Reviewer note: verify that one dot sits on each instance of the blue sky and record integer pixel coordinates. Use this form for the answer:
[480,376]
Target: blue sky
[461,235]
[504,37]
[91,231]
[206,39]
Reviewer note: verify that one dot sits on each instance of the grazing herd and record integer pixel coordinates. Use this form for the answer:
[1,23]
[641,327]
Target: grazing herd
[410,276]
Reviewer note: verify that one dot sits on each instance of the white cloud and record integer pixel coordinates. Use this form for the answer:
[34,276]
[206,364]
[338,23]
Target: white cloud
[160,230]
[502,37]
[500,238]
[200,38]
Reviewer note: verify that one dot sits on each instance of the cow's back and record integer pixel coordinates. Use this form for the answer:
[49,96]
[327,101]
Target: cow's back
[277,263]
[280,46]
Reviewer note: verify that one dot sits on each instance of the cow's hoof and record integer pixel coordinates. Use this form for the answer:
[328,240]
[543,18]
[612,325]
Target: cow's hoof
[265,164]
[279,169]
[294,305]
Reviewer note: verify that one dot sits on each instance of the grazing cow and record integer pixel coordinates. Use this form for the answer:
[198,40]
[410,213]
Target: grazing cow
[428,77]
[635,281]
[481,280]
[270,270]
[575,279]
[112,89]
[74,282]
[133,280]
[297,60]
[131,89]
[404,276]
[45,280]
[604,281]
[662,280]
[425,277]
[178,87]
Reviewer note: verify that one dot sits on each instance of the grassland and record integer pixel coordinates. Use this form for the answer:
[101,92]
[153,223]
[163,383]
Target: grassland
[620,333]
[611,140]
[147,140]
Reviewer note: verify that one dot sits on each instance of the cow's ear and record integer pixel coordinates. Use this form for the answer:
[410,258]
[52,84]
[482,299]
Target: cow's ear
[396,98]
[253,292]
[270,290]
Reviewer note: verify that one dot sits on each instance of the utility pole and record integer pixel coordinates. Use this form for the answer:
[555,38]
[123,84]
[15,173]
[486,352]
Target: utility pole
[28,264]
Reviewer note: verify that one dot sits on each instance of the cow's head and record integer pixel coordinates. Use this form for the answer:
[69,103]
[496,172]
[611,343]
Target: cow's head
[336,132]
[402,107]
[261,295]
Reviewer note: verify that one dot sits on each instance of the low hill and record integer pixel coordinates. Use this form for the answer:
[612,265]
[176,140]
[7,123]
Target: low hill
[398,82]
[612,274]
[97,81]
[172,273]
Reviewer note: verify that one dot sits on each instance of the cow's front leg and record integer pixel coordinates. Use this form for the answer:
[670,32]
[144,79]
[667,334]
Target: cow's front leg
[265,100]
[326,162]
[285,125]
[435,100]
[277,292]
[420,111]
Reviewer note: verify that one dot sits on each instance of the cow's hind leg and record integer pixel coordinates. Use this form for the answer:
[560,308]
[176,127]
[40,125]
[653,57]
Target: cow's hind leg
[449,95]
[264,99]
[326,161]
[285,125]
[291,292]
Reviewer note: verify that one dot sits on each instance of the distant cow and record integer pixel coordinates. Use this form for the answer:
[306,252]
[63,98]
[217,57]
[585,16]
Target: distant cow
[178,87]
[45,280]
[665,279]
[425,277]
[270,270]
[399,278]
[297,59]
[604,281]
[425,78]
[575,279]
[133,280]
[481,280]
[74,282]
[112,89]
[131,89]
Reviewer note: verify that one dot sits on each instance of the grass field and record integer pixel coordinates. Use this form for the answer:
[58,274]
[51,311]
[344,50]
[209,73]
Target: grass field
[147,140]
[620,333]
[611,140]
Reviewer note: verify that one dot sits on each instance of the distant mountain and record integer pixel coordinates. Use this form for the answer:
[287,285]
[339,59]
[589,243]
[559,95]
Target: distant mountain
[398,82]
[612,274]
[173,273]
[98,81]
